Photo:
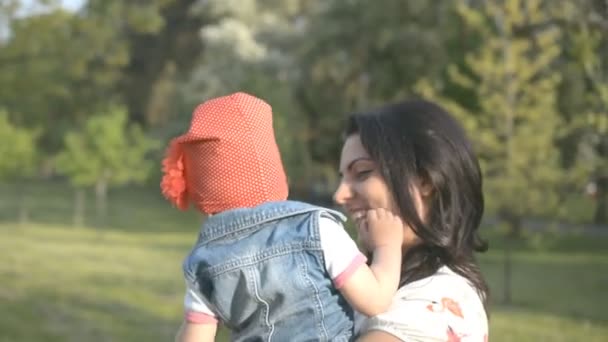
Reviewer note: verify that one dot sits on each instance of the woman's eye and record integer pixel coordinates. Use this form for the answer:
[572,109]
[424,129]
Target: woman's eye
[363,174]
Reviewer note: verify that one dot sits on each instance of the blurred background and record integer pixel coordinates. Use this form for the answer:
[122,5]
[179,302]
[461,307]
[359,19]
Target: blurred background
[91,92]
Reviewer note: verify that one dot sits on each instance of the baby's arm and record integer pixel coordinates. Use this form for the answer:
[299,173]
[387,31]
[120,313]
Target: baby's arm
[369,290]
[191,332]
[200,323]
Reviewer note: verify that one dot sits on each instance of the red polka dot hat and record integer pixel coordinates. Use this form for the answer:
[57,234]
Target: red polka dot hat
[228,158]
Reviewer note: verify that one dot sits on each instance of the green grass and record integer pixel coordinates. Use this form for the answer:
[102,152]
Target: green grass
[122,281]
[65,284]
[555,297]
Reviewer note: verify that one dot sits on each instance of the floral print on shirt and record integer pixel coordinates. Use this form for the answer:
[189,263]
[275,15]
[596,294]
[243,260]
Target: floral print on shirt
[443,307]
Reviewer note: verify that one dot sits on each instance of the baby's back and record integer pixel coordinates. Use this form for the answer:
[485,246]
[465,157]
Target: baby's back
[261,272]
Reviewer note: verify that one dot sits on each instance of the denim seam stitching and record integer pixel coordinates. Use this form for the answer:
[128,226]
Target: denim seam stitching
[318,303]
[215,232]
[265,303]
[241,225]
[260,257]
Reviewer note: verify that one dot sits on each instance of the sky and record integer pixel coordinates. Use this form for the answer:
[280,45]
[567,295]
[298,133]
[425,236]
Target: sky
[29,6]
[72,4]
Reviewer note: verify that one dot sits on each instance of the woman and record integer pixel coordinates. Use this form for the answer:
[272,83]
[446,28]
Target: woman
[414,159]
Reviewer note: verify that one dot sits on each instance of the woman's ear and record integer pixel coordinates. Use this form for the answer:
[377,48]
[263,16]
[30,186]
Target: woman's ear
[425,187]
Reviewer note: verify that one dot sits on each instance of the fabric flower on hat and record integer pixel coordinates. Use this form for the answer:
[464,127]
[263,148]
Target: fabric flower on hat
[173,183]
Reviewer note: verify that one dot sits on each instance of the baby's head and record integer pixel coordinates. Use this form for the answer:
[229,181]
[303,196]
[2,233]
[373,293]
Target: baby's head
[228,158]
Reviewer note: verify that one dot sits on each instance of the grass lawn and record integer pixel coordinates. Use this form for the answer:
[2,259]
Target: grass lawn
[122,281]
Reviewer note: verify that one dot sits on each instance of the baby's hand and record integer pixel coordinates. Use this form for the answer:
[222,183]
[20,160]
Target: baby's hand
[382,228]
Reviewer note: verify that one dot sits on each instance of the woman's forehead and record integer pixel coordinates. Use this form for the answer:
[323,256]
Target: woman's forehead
[353,147]
[352,152]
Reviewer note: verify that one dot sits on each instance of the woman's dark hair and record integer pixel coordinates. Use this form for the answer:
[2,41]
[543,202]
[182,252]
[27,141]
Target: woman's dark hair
[418,140]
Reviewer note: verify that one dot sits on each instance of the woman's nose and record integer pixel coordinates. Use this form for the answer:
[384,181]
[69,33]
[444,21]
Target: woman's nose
[343,193]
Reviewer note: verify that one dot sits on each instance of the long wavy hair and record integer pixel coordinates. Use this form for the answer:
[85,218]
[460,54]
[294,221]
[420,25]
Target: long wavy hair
[419,140]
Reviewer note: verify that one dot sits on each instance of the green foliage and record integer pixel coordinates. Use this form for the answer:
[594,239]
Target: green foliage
[352,56]
[588,43]
[108,150]
[315,61]
[55,68]
[514,120]
[18,150]
[584,99]
[162,43]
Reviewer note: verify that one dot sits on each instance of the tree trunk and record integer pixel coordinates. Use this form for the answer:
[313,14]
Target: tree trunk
[181,43]
[513,234]
[507,276]
[601,211]
[79,207]
[23,212]
[101,190]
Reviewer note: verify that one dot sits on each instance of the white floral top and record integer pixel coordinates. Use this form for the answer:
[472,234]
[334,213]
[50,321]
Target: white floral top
[443,307]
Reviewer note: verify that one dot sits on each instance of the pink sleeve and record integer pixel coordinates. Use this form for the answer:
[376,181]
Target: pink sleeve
[341,279]
[196,309]
[342,257]
[199,318]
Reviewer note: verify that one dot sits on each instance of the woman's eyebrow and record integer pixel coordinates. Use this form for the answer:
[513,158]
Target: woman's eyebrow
[352,163]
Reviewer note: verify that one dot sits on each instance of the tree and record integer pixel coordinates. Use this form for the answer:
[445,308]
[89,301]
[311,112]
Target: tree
[513,119]
[162,42]
[55,69]
[18,151]
[108,152]
[8,8]
[72,64]
[352,55]
[588,37]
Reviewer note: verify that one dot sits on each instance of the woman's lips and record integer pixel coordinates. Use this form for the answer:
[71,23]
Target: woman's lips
[357,214]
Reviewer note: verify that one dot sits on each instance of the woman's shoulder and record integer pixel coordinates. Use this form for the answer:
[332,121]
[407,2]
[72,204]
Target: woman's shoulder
[444,305]
[443,282]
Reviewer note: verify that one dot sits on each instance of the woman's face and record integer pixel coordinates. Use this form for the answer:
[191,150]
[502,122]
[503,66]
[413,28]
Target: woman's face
[362,187]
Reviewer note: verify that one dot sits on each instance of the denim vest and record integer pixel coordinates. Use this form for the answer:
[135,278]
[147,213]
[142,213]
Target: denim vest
[261,270]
